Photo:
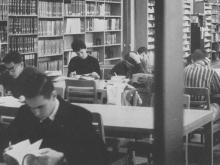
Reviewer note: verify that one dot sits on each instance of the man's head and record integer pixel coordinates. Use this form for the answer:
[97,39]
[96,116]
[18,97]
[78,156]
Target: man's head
[142,51]
[79,47]
[14,64]
[39,92]
[198,55]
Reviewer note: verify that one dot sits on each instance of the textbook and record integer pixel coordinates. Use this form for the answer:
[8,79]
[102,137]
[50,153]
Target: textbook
[24,149]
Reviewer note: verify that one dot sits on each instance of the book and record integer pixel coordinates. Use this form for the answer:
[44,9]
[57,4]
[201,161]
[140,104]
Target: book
[24,150]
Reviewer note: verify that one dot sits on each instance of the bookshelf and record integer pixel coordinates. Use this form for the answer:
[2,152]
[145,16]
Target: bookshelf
[43,30]
[215,29]
[3,28]
[99,24]
[209,18]
[187,12]
[50,35]
[22,29]
[151,28]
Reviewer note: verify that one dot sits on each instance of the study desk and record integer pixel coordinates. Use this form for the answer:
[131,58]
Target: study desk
[137,122]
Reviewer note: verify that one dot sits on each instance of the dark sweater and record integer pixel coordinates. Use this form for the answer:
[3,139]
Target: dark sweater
[71,132]
[84,66]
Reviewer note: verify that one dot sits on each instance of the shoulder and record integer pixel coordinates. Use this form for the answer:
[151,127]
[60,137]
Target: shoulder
[74,59]
[92,58]
[74,112]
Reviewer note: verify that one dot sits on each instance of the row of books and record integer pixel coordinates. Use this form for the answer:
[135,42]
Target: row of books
[95,9]
[3,9]
[22,25]
[50,9]
[30,59]
[48,28]
[50,47]
[111,38]
[3,33]
[22,7]
[75,8]
[95,24]
[3,52]
[74,25]
[113,24]
[23,44]
[50,65]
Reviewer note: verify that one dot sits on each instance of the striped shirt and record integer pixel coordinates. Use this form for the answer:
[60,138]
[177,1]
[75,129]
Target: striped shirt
[201,75]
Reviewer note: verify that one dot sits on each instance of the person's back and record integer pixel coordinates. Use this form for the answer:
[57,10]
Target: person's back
[200,74]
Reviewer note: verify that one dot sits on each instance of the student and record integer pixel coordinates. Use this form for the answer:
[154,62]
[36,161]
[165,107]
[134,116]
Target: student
[14,65]
[200,74]
[66,129]
[131,64]
[83,63]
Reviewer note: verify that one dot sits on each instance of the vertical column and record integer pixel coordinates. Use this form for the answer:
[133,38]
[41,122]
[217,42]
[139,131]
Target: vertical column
[168,83]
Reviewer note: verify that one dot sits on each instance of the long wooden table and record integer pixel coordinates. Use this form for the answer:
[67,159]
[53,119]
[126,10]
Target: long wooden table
[137,122]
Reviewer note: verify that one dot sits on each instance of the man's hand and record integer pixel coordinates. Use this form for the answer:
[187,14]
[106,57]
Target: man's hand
[50,157]
[95,75]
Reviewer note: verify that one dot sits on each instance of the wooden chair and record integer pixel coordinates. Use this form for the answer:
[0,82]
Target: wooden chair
[81,91]
[114,158]
[199,97]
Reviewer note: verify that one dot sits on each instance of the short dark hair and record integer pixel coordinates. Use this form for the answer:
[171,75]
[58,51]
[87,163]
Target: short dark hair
[14,57]
[34,83]
[142,49]
[78,44]
[199,54]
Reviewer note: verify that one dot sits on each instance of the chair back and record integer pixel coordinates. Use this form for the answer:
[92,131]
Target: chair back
[6,120]
[199,97]
[98,125]
[186,101]
[81,91]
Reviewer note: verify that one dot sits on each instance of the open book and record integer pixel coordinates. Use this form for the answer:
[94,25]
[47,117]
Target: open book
[24,149]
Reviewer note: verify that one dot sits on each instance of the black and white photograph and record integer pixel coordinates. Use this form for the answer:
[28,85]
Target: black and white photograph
[109,82]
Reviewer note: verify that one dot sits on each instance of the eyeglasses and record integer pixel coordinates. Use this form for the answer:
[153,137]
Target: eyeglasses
[13,68]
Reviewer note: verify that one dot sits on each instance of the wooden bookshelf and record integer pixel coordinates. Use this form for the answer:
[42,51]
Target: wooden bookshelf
[43,30]
[187,12]
[209,13]
[99,24]
[3,28]
[151,28]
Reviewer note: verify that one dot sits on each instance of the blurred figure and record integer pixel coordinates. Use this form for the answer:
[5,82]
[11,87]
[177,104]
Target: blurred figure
[145,60]
[83,63]
[131,64]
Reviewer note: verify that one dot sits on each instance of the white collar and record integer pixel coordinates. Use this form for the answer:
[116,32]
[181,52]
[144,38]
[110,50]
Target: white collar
[53,114]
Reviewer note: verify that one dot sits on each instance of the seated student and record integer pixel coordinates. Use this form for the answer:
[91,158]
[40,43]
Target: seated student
[14,66]
[66,129]
[200,74]
[83,63]
[129,65]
